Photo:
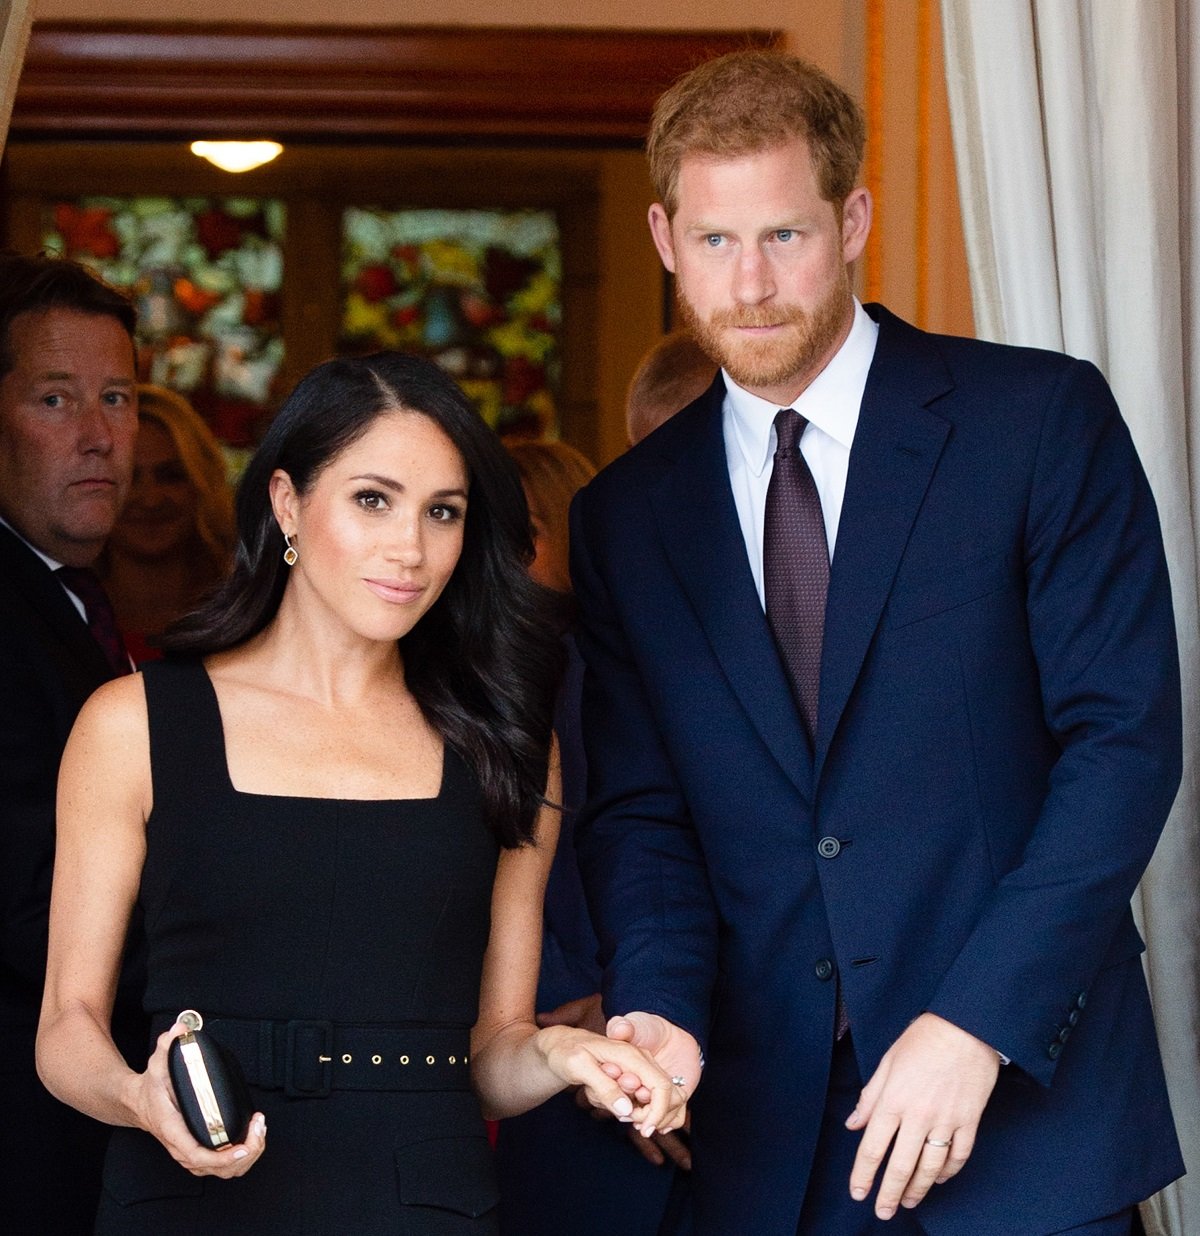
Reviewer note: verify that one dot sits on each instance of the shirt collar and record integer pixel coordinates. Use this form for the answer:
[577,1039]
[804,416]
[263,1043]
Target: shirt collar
[831,401]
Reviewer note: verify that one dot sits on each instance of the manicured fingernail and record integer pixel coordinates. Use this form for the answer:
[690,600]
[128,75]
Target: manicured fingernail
[647,1130]
[240,1154]
[260,1127]
[624,1119]
[623,1106]
[908,1202]
[885,1212]
[858,1194]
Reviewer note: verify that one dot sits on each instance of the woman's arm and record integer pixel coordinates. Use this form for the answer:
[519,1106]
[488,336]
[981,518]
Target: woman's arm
[104,798]
[516,1066]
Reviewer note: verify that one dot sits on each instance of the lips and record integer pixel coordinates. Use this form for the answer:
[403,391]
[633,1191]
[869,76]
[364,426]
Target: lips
[395,591]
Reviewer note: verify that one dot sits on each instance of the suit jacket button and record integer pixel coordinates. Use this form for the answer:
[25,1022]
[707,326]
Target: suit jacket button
[1054,1050]
[1073,1017]
[1064,1034]
[1081,1000]
[829,847]
[824,969]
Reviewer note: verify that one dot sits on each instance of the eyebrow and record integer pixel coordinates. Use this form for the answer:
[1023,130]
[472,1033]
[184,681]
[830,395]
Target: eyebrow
[385,482]
[61,375]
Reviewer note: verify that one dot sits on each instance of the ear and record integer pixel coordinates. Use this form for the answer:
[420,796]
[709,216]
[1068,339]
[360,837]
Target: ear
[660,230]
[285,502]
[856,223]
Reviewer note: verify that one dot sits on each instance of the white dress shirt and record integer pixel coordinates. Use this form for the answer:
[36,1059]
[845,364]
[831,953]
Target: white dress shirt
[830,404]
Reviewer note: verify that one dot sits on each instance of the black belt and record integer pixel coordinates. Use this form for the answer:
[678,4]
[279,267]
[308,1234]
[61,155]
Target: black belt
[308,1059]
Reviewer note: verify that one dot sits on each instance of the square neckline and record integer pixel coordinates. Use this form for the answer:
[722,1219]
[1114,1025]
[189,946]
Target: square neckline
[233,789]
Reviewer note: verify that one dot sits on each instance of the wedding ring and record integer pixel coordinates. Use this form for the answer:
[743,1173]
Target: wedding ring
[940,1143]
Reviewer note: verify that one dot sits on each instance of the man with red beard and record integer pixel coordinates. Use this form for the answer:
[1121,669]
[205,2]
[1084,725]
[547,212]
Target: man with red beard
[882,723]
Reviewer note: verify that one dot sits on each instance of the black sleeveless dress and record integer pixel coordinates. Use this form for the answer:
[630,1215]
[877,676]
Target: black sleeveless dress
[336,948]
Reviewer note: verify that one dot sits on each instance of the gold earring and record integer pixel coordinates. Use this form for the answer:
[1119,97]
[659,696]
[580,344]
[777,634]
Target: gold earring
[289,555]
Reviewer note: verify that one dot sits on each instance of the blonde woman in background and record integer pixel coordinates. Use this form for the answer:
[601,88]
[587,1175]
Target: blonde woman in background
[174,539]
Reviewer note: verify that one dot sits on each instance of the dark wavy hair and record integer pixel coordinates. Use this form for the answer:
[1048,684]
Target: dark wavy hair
[483,663]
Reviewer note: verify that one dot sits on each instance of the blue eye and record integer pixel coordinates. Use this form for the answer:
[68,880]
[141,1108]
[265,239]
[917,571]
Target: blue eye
[713,240]
[785,233]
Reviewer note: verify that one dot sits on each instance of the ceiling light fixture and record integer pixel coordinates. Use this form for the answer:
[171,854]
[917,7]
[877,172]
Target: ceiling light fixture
[237,156]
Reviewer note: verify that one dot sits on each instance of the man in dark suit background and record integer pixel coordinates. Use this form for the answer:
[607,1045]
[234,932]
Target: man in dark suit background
[882,723]
[68,420]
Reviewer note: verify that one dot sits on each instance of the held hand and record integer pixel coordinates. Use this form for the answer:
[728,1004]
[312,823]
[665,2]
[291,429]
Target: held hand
[928,1094]
[153,1098]
[615,1076]
[659,1149]
[673,1049]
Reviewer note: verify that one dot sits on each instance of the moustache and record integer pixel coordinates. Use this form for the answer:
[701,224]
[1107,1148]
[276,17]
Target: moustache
[758,315]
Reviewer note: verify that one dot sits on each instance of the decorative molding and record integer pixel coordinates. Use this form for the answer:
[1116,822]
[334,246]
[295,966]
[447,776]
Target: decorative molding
[412,83]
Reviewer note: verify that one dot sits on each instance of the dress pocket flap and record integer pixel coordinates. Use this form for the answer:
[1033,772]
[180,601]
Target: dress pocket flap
[139,1169]
[448,1173]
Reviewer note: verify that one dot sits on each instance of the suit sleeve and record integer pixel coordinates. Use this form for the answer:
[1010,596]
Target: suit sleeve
[29,751]
[1102,632]
[643,868]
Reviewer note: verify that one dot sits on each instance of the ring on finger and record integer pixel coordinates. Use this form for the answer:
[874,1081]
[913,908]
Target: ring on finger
[680,1082]
[940,1143]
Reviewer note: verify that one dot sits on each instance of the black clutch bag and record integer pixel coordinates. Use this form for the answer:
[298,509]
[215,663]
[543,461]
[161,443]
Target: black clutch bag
[209,1086]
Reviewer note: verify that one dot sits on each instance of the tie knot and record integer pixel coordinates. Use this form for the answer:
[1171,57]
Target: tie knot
[789,425]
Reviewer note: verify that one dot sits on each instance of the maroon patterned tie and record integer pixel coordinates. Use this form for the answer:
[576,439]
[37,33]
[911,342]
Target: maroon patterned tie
[796,581]
[796,565]
[101,620]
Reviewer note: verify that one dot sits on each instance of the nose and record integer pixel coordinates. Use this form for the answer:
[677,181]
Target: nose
[753,280]
[407,548]
[95,428]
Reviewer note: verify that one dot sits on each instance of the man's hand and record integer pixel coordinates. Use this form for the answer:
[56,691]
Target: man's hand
[665,1148]
[928,1094]
[672,1049]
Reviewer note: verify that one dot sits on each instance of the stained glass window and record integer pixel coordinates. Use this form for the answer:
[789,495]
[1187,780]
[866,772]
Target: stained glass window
[205,275]
[479,291]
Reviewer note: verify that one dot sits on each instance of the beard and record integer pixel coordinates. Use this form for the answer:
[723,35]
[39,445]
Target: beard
[796,356]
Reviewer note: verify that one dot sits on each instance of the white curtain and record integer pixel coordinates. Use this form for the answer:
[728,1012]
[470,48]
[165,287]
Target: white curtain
[1077,135]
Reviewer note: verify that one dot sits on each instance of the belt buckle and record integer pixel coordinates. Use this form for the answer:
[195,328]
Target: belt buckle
[308,1060]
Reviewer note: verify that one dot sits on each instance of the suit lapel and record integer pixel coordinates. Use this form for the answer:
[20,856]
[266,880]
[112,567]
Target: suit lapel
[896,448]
[34,583]
[698,521]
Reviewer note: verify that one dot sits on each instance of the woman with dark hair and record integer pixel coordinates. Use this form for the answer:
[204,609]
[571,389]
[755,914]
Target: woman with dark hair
[331,805]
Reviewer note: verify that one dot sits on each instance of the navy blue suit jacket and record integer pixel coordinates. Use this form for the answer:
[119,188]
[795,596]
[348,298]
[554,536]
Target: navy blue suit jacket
[998,746]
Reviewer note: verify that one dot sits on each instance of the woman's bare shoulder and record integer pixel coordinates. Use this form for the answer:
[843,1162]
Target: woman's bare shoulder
[115,714]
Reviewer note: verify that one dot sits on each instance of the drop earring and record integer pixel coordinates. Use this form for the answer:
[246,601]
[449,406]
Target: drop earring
[289,555]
